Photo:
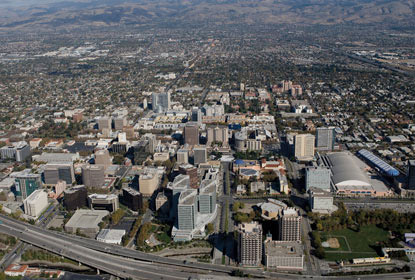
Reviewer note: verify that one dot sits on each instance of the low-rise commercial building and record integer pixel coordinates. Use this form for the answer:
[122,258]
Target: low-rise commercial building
[283,255]
[111,236]
[86,222]
[321,201]
[318,177]
[107,202]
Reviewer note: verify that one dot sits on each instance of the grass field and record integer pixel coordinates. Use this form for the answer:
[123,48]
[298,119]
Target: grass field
[360,242]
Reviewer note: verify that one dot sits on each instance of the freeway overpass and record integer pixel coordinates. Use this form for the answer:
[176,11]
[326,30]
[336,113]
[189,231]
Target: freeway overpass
[114,259]
[127,263]
[112,264]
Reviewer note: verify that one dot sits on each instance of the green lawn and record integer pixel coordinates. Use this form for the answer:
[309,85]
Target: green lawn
[359,242]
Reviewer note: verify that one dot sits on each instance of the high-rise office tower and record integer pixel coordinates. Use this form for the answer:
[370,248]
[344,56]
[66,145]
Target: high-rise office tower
[25,183]
[104,123]
[93,176]
[76,197]
[191,134]
[183,156]
[325,138]
[196,115]
[199,155]
[35,203]
[147,183]
[162,203]
[119,123]
[161,102]
[152,142]
[56,172]
[207,197]
[132,198]
[304,146]
[250,243]
[289,225]
[187,210]
[19,151]
[411,174]
[217,135]
[102,157]
[22,151]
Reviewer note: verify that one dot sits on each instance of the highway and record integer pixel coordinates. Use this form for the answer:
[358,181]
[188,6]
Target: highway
[117,266]
[117,260]
[126,263]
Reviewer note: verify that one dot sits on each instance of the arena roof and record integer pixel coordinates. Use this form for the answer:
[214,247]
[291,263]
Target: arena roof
[346,170]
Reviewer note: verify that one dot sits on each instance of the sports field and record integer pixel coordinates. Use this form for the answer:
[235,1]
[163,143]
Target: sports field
[354,244]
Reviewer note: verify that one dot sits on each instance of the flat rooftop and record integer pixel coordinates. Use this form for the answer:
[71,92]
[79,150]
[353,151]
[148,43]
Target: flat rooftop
[250,227]
[85,219]
[188,197]
[34,196]
[111,234]
[283,249]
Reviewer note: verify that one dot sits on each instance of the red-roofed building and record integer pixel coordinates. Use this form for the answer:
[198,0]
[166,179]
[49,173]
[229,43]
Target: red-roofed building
[16,270]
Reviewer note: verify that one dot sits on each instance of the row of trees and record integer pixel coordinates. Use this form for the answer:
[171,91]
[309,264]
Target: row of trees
[316,243]
[144,233]
[382,270]
[42,255]
[132,232]
[386,219]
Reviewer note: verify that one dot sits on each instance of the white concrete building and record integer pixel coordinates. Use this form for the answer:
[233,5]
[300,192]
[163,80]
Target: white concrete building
[35,203]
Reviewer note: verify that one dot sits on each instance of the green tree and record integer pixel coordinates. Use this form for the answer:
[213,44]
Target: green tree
[210,228]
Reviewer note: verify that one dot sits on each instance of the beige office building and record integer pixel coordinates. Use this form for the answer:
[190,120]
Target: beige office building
[217,135]
[250,244]
[304,146]
[289,225]
[102,157]
[148,183]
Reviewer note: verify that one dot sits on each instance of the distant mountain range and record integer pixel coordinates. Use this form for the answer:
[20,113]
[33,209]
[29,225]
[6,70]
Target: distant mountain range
[73,13]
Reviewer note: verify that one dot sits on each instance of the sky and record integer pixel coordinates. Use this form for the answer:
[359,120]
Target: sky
[26,3]
[21,3]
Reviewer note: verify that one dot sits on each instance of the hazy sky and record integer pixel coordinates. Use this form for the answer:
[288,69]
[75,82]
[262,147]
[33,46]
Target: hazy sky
[22,3]
[19,3]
